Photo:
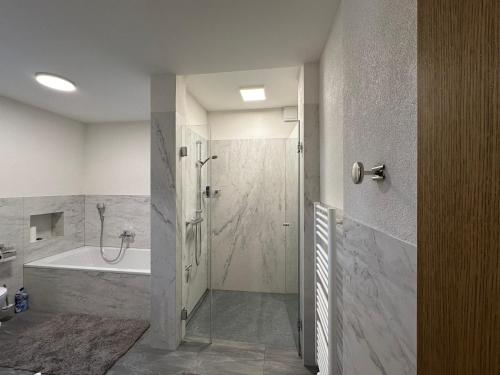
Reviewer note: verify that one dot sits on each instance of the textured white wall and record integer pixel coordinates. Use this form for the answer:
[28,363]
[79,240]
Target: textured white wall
[380,112]
[249,124]
[332,118]
[117,159]
[41,153]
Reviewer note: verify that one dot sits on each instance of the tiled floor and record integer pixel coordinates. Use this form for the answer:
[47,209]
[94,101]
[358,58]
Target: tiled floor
[262,318]
[220,358]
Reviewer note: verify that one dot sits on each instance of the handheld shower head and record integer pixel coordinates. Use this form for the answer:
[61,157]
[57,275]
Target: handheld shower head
[101,208]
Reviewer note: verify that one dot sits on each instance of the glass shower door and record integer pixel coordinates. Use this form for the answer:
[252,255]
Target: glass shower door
[196,301]
[291,227]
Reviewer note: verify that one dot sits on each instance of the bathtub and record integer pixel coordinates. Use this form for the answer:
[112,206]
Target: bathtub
[80,281]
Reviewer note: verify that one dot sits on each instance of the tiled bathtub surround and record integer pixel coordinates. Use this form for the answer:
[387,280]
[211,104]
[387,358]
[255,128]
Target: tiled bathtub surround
[378,302]
[123,212]
[90,292]
[72,206]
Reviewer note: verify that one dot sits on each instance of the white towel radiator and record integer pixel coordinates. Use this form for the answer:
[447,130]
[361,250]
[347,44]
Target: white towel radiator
[324,275]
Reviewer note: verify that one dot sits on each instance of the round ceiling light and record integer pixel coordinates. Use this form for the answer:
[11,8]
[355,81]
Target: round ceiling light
[55,82]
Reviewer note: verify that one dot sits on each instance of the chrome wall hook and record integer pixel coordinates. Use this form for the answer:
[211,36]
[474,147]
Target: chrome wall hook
[358,172]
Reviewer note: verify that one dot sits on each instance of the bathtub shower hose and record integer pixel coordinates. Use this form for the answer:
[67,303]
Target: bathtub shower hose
[122,248]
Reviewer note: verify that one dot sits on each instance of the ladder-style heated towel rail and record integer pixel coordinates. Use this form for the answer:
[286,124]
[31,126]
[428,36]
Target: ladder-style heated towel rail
[325,264]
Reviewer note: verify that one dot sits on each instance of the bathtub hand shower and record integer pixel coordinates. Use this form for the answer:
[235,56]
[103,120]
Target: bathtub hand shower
[126,236]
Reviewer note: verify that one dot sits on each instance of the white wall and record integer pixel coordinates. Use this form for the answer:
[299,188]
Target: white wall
[380,112]
[332,118]
[195,114]
[249,124]
[46,154]
[40,153]
[117,159]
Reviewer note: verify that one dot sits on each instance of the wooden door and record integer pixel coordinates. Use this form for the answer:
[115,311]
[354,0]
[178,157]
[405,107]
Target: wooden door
[458,187]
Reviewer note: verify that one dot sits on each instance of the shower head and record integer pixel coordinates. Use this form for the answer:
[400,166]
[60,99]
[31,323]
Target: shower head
[202,163]
[101,208]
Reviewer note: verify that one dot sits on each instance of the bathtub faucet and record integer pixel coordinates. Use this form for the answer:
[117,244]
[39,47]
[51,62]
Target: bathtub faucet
[127,236]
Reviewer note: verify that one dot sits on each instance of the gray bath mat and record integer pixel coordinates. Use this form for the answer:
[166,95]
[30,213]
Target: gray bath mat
[72,344]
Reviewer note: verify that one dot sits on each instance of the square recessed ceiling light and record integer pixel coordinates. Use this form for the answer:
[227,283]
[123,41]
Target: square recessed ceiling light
[253,94]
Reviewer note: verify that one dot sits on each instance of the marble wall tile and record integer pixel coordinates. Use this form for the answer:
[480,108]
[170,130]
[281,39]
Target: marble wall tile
[123,212]
[91,292]
[11,235]
[378,301]
[73,208]
[165,220]
[248,251]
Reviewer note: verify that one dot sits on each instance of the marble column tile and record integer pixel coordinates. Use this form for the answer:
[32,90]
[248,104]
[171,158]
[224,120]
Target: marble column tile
[165,293]
[123,212]
[379,300]
[11,235]
[73,208]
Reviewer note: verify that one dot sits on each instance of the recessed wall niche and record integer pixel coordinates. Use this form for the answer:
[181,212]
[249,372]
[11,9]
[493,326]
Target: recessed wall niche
[46,226]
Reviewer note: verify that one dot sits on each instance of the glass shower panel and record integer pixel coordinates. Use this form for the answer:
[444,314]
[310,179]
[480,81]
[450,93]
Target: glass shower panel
[195,246]
[292,231]
[254,267]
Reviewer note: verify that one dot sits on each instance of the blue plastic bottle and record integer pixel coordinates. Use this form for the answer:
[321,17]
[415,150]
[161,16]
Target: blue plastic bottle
[21,300]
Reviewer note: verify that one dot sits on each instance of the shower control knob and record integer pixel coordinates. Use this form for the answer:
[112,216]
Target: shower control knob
[286,224]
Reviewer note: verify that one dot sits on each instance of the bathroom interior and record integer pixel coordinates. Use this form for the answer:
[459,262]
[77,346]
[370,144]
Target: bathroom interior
[76,230]
[238,187]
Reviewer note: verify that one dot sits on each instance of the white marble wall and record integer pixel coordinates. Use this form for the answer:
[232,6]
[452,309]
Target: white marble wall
[248,239]
[378,302]
[11,235]
[123,212]
[72,206]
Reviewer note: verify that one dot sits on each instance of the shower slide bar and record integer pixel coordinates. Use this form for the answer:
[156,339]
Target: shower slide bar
[324,276]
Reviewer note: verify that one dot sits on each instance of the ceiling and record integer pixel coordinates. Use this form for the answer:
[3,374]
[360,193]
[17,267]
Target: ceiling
[110,48]
[220,91]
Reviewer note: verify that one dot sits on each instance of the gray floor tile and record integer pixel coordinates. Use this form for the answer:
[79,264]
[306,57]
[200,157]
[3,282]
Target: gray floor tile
[223,357]
[267,318]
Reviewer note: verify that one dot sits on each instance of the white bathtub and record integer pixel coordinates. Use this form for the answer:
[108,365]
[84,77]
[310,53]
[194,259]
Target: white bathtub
[135,261]
[80,281]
